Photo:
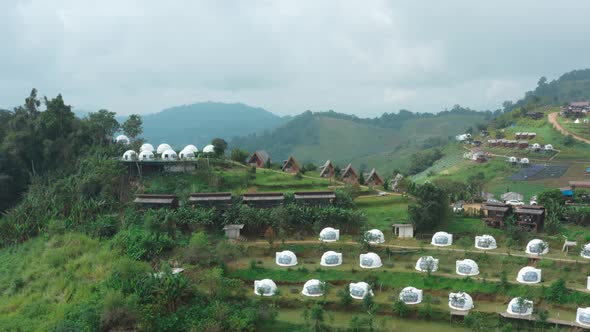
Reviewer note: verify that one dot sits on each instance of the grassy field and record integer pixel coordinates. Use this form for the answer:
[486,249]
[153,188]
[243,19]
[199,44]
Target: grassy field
[382,212]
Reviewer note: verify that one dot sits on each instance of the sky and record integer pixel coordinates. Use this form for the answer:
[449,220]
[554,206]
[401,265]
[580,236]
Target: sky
[360,57]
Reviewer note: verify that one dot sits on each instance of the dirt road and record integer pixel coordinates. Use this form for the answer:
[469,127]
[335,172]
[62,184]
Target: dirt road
[553,120]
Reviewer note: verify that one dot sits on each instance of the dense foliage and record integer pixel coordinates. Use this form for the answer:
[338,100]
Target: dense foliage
[431,208]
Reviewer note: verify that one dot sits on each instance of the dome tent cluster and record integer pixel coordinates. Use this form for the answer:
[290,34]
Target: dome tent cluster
[163,152]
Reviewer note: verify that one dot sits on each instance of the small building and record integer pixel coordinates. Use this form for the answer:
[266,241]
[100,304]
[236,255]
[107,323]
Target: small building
[492,142]
[535,115]
[523,144]
[220,200]
[512,196]
[404,231]
[495,213]
[315,197]
[579,184]
[290,165]
[531,217]
[531,135]
[373,179]
[349,175]
[327,170]
[263,200]
[579,106]
[155,201]
[259,159]
[232,232]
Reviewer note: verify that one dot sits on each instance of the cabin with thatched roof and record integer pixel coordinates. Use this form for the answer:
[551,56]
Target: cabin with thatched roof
[314,197]
[259,159]
[530,217]
[263,200]
[495,213]
[290,165]
[327,170]
[349,175]
[220,200]
[373,179]
[155,201]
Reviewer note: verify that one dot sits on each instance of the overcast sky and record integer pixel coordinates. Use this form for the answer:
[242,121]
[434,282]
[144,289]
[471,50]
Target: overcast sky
[363,57]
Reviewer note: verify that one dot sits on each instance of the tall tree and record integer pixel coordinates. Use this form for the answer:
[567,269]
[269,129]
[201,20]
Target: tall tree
[219,146]
[431,208]
[102,125]
[133,126]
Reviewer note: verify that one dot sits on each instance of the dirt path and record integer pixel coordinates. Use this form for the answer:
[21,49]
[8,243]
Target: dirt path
[553,120]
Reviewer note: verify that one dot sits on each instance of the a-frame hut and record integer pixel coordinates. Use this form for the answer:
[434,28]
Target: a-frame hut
[327,170]
[258,159]
[349,175]
[290,165]
[373,179]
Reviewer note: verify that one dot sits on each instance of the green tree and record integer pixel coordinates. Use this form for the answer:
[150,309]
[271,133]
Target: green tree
[239,155]
[219,146]
[102,125]
[315,318]
[362,178]
[400,308]
[431,208]
[133,126]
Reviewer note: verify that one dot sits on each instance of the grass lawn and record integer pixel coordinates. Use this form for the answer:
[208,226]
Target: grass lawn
[382,212]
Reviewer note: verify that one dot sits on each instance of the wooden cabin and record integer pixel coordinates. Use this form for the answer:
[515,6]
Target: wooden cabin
[155,201]
[495,213]
[530,217]
[220,201]
[327,170]
[290,165]
[263,200]
[535,115]
[349,175]
[577,109]
[579,184]
[373,179]
[259,159]
[492,142]
[315,197]
[523,144]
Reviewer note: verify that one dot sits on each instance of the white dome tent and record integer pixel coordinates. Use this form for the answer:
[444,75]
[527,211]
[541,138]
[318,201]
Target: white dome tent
[147,147]
[588,283]
[466,267]
[512,159]
[169,155]
[520,306]
[524,161]
[536,146]
[129,155]
[122,139]
[191,148]
[359,290]
[286,258]
[537,247]
[442,239]
[585,251]
[411,295]
[209,149]
[265,287]
[146,155]
[583,316]
[185,154]
[313,287]
[427,263]
[529,275]
[460,301]
[331,258]
[370,261]
[329,234]
[577,121]
[163,147]
[375,236]
[485,242]
[548,147]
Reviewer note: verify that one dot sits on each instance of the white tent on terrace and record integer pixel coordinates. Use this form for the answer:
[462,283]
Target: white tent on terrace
[537,247]
[169,155]
[185,154]
[577,121]
[359,290]
[147,147]
[529,275]
[313,287]
[146,155]
[129,155]
[286,258]
[329,234]
[411,295]
[588,283]
[265,287]
[209,149]
[536,146]
[122,139]
[524,161]
[485,242]
[548,147]
[512,159]
[191,148]
[585,251]
[583,316]
[370,261]
[520,306]
[442,239]
[466,267]
[460,301]
[331,258]
[427,263]
[375,236]
[163,147]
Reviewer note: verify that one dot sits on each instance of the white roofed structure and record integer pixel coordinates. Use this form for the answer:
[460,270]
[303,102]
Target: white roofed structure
[286,258]
[529,275]
[209,149]
[426,264]
[374,236]
[411,295]
[585,251]
[191,148]
[442,239]
[329,234]
[524,161]
[466,267]
[122,139]
[129,155]
[485,242]
[537,247]
[163,147]
[359,290]
[583,316]
[146,155]
[370,260]
[185,154]
[313,287]
[536,146]
[265,287]
[147,147]
[512,159]
[520,306]
[460,301]
[169,155]
[331,258]
[548,147]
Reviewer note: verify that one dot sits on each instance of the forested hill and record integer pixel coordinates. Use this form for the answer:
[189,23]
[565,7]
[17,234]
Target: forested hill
[315,137]
[199,123]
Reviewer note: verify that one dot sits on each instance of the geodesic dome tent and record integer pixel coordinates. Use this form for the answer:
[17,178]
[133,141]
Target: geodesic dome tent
[466,267]
[460,301]
[169,155]
[583,316]
[427,263]
[577,121]
[313,287]
[122,139]
[129,155]
[520,306]
[524,161]
[537,247]
[265,287]
[442,239]
[375,236]
[359,290]
[588,283]
[191,148]
[529,275]
[548,147]
[331,258]
[286,258]
[163,147]
[512,159]
[585,251]
[329,234]
[370,261]
[209,149]
[411,295]
[485,242]
[185,154]
[146,155]
[147,147]
[536,146]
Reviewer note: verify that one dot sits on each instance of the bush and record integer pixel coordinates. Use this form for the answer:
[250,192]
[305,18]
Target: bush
[142,244]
